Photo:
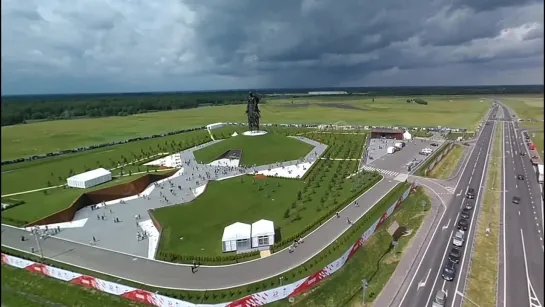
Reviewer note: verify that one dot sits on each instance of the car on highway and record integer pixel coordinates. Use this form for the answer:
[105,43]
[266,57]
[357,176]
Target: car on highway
[454,255]
[449,271]
[516,200]
[458,238]
[440,299]
[522,153]
[470,193]
[434,144]
[463,224]
[465,213]
[470,205]
[520,177]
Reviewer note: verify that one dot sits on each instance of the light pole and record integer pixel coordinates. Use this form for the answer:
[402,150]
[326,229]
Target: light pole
[364,285]
[36,234]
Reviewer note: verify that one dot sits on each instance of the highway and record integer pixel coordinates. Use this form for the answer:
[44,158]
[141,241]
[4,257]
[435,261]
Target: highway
[427,280]
[521,278]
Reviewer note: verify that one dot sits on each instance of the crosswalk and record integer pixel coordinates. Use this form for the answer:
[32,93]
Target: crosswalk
[451,190]
[382,171]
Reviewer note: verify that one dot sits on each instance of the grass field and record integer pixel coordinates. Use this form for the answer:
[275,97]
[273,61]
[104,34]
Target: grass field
[345,285]
[257,150]
[482,284]
[526,108]
[36,174]
[246,199]
[36,138]
[21,288]
[446,167]
[331,253]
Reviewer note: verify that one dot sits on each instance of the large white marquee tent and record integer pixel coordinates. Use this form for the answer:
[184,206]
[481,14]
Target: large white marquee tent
[236,236]
[407,135]
[89,179]
[262,233]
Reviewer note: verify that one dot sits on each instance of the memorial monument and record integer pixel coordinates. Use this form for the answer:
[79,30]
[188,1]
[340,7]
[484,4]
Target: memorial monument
[254,115]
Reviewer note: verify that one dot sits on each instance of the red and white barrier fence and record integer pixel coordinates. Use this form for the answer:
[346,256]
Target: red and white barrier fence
[257,299]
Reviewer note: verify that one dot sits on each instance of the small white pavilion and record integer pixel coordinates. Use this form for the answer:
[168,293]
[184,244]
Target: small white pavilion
[236,236]
[262,233]
[407,136]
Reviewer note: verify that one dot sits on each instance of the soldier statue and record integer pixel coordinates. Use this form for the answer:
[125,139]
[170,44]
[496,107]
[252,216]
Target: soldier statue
[252,110]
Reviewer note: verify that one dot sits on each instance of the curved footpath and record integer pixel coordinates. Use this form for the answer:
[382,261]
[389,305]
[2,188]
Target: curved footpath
[179,276]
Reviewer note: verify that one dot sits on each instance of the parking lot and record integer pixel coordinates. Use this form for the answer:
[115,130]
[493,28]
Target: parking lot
[379,158]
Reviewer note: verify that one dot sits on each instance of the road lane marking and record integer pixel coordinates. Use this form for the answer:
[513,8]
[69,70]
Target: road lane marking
[427,247]
[532,297]
[446,226]
[422,283]
[473,214]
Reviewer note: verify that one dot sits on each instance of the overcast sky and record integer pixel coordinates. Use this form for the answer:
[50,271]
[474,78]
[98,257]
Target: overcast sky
[74,46]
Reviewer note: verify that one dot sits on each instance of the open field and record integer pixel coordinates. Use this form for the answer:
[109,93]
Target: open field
[291,204]
[266,149]
[375,262]
[530,108]
[331,253]
[21,288]
[538,140]
[482,280]
[446,167]
[42,137]
[36,174]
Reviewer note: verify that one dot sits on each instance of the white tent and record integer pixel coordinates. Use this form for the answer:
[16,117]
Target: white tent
[262,233]
[234,134]
[236,236]
[407,135]
[90,178]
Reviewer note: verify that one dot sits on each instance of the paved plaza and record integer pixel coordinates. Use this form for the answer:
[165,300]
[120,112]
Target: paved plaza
[100,224]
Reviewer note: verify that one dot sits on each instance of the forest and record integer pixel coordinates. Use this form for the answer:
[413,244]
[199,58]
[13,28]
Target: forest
[26,109]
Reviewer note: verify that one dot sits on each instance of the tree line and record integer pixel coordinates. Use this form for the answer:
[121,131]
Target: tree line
[24,109]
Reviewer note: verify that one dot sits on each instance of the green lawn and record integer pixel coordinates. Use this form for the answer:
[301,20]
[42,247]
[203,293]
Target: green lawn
[41,137]
[345,285]
[41,204]
[257,150]
[446,167]
[36,174]
[245,199]
[21,288]
[325,257]
[538,140]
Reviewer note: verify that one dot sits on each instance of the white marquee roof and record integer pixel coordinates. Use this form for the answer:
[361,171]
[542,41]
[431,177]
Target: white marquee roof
[96,173]
[263,228]
[236,231]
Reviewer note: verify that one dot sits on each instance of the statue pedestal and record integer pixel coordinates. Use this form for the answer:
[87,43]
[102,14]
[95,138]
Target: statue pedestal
[254,133]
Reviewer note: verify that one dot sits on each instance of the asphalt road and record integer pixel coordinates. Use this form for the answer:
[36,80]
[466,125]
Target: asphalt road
[427,280]
[521,277]
[178,276]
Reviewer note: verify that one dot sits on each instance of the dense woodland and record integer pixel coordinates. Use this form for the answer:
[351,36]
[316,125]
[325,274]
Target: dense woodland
[23,109]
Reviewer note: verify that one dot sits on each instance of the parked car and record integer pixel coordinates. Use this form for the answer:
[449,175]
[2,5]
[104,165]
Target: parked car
[469,205]
[465,213]
[458,239]
[520,177]
[449,271]
[440,299]
[470,193]
[463,224]
[454,255]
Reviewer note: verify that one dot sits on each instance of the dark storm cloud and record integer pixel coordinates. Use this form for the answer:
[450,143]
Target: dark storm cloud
[263,43]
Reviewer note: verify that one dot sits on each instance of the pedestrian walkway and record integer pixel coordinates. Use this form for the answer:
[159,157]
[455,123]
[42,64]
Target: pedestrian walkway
[382,171]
